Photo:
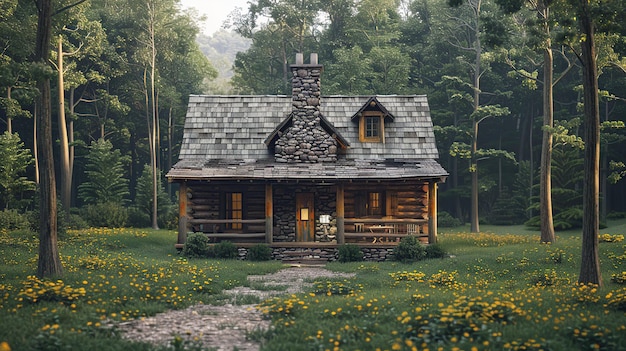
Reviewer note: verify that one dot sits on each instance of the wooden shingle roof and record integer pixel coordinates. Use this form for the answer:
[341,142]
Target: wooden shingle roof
[224,138]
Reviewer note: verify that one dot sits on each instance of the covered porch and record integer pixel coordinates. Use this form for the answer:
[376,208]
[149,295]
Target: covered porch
[309,213]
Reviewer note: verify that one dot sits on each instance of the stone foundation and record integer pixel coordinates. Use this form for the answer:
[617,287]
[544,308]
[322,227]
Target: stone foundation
[329,254]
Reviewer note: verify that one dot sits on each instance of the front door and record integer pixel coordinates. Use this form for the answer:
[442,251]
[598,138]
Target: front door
[305,217]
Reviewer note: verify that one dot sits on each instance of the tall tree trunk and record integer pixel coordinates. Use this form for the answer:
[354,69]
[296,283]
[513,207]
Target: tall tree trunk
[153,144]
[475,227]
[9,119]
[604,172]
[531,160]
[170,134]
[474,171]
[66,176]
[35,148]
[590,260]
[545,182]
[153,119]
[49,263]
[71,137]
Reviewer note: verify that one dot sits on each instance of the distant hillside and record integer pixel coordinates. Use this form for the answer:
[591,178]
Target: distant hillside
[220,49]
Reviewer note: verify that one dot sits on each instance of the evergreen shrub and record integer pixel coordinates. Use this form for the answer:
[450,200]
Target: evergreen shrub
[435,251]
[13,220]
[196,246]
[225,249]
[108,214]
[260,252]
[444,219]
[350,253]
[76,221]
[409,250]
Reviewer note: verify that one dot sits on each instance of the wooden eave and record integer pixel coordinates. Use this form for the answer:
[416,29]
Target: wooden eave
[373,104]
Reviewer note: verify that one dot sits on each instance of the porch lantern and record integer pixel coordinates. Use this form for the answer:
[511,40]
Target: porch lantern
[304,214]
[324,219]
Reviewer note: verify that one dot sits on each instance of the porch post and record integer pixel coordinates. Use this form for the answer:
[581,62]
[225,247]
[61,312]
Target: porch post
[182,213]
[269,214]
[340,214]
[432,212]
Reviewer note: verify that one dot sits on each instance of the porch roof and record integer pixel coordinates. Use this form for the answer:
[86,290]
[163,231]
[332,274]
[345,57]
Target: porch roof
[341,170]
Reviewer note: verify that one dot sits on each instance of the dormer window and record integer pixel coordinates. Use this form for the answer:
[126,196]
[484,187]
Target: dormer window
[372,127]
[371,119]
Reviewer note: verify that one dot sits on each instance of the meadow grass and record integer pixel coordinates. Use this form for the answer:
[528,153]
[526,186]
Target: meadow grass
[499,290]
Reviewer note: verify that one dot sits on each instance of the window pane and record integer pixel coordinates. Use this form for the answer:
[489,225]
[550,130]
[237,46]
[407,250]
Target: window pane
[235,209]
[373,204]
[372,127]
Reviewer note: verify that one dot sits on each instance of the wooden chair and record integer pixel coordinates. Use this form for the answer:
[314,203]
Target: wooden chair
[412,229]
[358,227]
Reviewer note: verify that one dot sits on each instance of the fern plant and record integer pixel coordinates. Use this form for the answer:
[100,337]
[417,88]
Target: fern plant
[567,177]
[14,159]
[105,175]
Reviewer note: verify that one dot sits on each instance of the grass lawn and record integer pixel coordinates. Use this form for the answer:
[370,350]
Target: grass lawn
[500,290]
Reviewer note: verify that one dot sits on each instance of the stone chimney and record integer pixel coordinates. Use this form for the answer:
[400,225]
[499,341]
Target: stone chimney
[305,140]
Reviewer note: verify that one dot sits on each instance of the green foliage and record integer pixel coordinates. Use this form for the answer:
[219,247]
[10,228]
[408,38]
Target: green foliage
[567,176]
[592,338]
[13,220]
[108,214]
[547,277]
[337,288]
[143,198]
[14,159]
[196,246]
[435,251]
[522,187]
[105,175]
[350,253]
[618,171]
[506,210]
[409,250]
[76,221]
[349,73]
[445,219]
[260,252]
[225,249]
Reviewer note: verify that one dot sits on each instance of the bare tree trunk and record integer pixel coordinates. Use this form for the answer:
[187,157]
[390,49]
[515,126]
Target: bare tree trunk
[590,260]
[545,183]
[474,171]
[71,138]
[151,112]
[474,221]
[35,148]
[531,159]
[155,123]
[49,263]
[170,133]
[9,119]
[66,177]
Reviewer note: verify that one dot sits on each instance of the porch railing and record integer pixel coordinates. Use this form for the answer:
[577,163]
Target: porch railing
[356,230]
[384,230]
[230,229]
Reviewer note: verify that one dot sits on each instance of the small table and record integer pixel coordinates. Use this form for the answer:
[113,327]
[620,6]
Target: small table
[380,228]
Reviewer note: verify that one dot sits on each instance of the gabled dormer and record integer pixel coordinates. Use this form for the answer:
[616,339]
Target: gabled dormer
[371,119]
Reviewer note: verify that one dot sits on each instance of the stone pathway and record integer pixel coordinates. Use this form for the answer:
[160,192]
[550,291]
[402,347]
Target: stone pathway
[224,327]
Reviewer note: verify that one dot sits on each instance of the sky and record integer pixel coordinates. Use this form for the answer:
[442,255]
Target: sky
[216,11]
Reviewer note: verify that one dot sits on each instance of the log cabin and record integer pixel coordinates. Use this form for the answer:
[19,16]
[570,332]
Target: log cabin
[307,173]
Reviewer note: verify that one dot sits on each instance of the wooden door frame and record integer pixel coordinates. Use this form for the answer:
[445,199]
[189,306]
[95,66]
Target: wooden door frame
[305,229]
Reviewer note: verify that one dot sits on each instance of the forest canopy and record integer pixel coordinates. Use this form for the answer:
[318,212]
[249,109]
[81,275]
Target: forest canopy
[129,67]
